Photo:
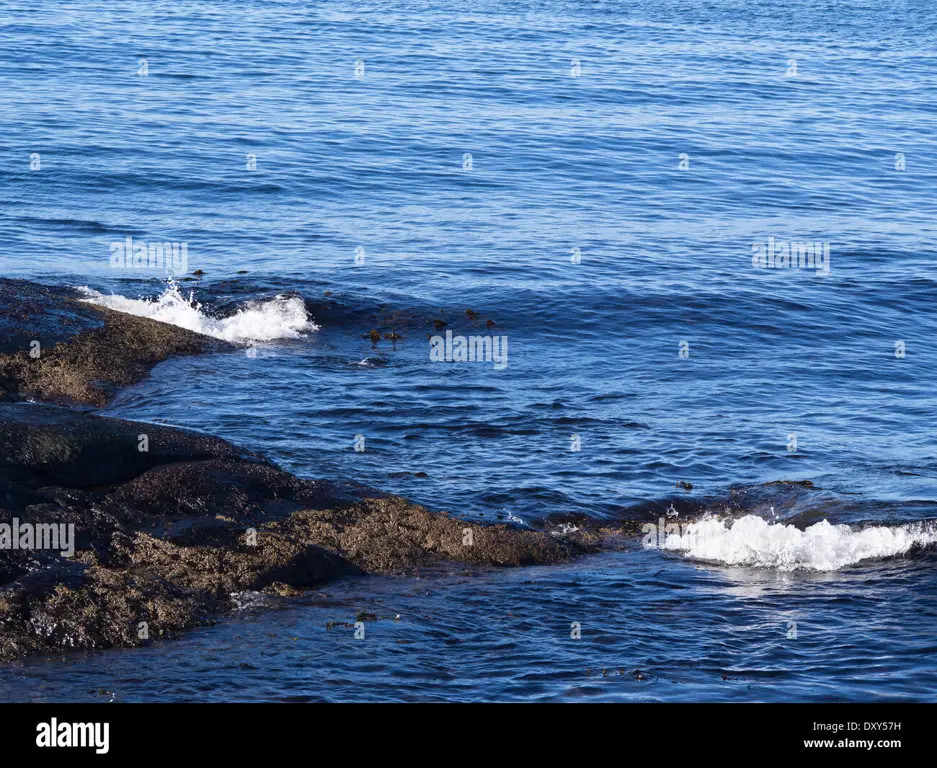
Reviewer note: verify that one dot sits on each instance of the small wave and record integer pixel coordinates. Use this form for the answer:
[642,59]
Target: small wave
[249,600]
[752,541]
[372,362]
[283,317]
[565,529]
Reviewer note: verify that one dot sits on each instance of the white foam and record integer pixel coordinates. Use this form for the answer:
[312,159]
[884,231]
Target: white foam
[283,317]
[754,542]
[565,529]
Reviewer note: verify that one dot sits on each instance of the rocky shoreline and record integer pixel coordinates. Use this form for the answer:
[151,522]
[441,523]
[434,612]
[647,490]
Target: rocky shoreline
[57,349]
[170,525]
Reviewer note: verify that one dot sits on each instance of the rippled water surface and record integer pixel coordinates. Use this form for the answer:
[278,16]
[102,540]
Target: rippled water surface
[807,121]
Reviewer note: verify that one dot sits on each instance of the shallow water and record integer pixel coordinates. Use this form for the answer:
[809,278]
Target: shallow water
[558,163]
[652,629]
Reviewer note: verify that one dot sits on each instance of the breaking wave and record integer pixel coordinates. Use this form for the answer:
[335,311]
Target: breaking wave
[282,317]
[752,541]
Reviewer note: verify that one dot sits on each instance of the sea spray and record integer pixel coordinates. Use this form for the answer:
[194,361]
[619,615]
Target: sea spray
[282,317]
[753,541]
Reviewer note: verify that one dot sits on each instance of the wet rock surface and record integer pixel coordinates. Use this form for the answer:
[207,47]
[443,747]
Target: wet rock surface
[171,525]
[166,538]
[56,348]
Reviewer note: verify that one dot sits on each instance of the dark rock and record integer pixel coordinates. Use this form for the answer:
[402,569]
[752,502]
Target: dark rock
[84,352]
[72,449]
[171,526]
[165,539]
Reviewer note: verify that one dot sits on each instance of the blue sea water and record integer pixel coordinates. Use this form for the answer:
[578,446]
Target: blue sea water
[591,176]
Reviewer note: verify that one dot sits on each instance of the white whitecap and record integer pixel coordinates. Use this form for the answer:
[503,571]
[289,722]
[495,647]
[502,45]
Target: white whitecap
[754,542]
[565,529]
[283,317]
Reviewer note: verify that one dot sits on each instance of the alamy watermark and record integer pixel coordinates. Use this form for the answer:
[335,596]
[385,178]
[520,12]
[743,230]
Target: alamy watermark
[689,535]
[29,536]
[86,735]
[169,257]
[472,349]
[796,254]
